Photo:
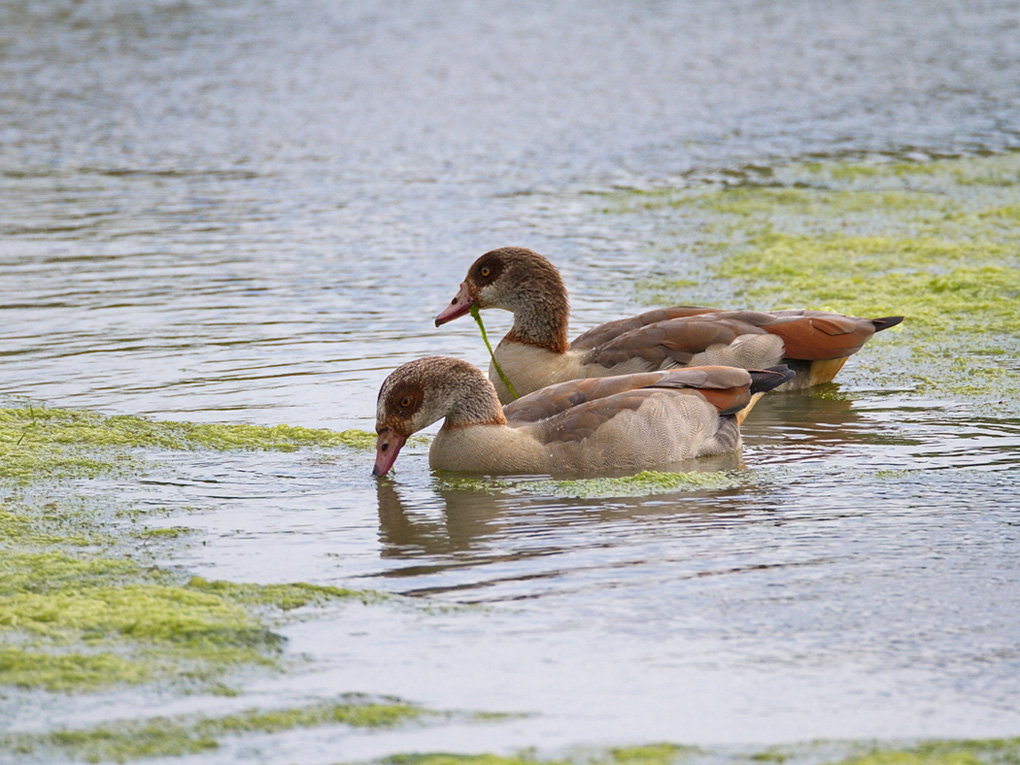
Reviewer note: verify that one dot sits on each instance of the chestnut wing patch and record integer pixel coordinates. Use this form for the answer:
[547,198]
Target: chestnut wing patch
[815,338]
[814,335]
[725,388]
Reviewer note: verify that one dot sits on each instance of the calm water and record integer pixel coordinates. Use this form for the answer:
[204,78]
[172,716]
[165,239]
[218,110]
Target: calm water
[250,212]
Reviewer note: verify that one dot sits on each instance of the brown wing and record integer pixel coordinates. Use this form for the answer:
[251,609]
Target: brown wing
[604,333]
[553,399]
[668,336]
[726,388]
[673,341]
[581,422]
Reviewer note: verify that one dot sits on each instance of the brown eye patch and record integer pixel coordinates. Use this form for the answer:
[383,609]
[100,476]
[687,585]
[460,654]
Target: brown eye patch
[487,269]
[404,399]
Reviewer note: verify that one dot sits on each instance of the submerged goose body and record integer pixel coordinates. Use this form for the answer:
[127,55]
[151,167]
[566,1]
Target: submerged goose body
[535,352]
[634,422]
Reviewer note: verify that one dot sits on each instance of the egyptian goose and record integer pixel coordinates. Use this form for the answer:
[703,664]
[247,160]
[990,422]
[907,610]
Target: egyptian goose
[535,352]
[581,426]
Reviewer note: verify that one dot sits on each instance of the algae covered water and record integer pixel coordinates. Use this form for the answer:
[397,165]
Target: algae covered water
[245,215]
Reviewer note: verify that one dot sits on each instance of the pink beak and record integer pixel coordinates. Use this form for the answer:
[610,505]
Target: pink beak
[387,447]
[459,306]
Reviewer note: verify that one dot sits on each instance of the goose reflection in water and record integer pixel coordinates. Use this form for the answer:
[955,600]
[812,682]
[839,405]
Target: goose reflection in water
[454,526]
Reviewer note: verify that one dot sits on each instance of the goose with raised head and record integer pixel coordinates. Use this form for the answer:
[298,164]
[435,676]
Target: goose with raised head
[628,422]
[535,352]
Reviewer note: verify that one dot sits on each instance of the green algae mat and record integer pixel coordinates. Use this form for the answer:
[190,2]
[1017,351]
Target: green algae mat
[79,609]
[643,484]
[82,609]
[938,242]
[948,752]
[135,740]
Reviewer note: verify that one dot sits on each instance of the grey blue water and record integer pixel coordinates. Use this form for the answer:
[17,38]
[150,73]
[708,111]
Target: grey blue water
[251,212]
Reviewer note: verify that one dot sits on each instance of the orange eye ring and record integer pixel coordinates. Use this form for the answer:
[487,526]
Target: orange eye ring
[406,401]
[485,271]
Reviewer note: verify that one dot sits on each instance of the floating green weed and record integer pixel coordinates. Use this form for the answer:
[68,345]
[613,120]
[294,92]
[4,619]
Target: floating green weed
[770,755]
[44,571]
[37,443]
[447,758]
[69,671]
[35,425]
[651,754]
[76,614]
[283,596]
[961,752]
[644,483]
[138,624]
[80,620]
[171,532]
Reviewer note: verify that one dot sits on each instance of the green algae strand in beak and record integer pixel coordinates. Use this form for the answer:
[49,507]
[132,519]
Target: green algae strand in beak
[476,314]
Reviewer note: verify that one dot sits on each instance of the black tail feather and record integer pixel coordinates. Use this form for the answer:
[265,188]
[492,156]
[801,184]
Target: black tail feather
[763,380]
[886,322]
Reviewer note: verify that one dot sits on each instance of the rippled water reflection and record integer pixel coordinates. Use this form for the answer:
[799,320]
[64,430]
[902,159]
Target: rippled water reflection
[251,212]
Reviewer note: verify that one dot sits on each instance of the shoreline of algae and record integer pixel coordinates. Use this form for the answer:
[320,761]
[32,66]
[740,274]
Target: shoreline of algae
[1005,751]
[83,610]
[79,611]
[182,735]
[938,242]
[186,734]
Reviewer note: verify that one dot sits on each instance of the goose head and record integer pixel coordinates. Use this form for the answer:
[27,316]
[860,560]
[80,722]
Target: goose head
[523,282]
[420,392]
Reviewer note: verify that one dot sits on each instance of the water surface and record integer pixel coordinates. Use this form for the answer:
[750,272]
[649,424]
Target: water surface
[250,212]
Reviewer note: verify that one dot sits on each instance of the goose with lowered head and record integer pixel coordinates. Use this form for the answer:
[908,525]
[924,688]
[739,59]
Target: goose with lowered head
[535,352]
[628,422]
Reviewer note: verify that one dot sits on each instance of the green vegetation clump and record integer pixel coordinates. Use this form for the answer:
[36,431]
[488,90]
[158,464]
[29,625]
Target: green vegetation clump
[286,597]
[651,754]
[77,622]
[192,734]
[946,752]
[23,667]
[642,484]
[447,758]
[648,754]
[37,443]
[78,613]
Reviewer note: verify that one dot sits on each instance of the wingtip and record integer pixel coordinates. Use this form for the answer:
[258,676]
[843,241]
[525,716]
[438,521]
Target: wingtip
[886,322]
[763,380]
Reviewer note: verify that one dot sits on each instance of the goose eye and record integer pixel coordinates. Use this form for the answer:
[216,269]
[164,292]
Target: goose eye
[405,402]
[486,271]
